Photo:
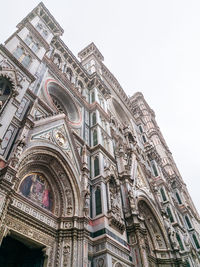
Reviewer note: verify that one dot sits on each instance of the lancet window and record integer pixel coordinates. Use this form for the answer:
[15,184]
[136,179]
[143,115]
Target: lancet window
[98,205]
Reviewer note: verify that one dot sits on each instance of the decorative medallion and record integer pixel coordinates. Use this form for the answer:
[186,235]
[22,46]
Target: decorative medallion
[60,138]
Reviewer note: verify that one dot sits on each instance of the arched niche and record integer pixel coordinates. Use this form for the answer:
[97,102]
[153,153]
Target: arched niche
[42,169]
[59,98]
[154,229]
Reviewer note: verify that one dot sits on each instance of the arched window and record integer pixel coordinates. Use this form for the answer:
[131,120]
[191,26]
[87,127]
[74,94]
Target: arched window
[42,30]
[28,40]
[5,88]
[69,74]
[144,139]
[44,33]
[96,166]
[94,118]
[98,201]
[18,53]
[170,215]
[26,61]
[154,169]
[164,198]
[140,128]
[95,138]
[178,198]
[189,225]
[179,241]
[35,47]
[93,97]
[196,241]
[63,102]
[31,43]
[39,27]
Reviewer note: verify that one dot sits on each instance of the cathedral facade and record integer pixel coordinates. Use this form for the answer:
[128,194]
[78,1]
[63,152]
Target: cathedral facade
[86,177]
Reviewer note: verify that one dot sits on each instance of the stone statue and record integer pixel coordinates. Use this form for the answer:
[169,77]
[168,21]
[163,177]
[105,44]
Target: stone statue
[87,203]
[56,60]
[131,200]
[14,161]
[172,237]
[187,241]
[66,254]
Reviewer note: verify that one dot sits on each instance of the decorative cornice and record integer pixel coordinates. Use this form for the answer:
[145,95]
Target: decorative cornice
[40,10]
[90,49]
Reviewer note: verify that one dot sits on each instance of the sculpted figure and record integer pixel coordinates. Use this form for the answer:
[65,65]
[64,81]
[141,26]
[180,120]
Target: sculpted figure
[87,203]
[172,237]
[131,200]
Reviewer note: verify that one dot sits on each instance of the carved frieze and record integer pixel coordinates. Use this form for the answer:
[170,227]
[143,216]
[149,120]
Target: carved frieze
[28,231]
[28,209]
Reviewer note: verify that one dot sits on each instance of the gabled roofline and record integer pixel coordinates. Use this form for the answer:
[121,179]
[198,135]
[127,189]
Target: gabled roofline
[38,10]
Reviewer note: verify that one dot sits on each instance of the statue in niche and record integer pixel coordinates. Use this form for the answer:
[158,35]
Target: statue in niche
[14,161]
[69,200]
[36,188]
[114,198]
[66,254]
[172,237]
[131,200]
[100,262]
[86,203]
[187,241]
[56,60]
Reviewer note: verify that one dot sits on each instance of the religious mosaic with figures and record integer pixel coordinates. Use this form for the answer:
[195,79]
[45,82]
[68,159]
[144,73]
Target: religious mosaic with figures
[36,188]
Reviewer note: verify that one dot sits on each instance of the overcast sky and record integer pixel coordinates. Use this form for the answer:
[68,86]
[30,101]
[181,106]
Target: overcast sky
[152,46]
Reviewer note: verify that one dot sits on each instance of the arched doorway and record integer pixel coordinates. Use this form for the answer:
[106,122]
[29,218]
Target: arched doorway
[45,204]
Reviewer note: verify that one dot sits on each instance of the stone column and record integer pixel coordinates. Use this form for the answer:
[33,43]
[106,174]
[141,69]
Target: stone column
[142,249]
[7,179]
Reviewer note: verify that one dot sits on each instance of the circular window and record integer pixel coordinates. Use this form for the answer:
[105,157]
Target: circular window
[120,112]
[63,102]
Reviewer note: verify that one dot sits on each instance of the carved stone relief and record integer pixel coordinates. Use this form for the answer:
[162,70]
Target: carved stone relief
[152,225]
[28,231]
[115,215]
[66,254]
[2,201]
[100,262]
[59,137]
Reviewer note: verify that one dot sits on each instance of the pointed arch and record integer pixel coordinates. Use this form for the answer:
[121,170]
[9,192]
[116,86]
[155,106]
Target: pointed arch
[59,175]
[153,224]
